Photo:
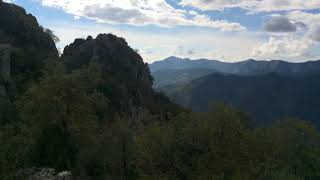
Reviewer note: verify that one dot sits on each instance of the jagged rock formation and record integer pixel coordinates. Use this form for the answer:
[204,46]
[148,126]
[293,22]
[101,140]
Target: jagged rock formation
[123,70]
[21,29]
[111,52]
[24,47]
[125,79]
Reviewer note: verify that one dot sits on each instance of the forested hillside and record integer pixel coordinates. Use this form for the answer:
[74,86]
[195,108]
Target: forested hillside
[265,98]
[164,78]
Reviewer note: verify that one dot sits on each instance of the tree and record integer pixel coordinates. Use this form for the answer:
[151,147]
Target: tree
[59,110]
[52,35]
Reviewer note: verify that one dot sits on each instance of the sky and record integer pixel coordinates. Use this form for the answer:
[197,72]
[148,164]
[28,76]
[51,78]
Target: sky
[226,30]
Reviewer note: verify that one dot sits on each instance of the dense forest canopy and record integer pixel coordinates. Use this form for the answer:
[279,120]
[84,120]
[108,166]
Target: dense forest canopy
[93,111]
[266,98]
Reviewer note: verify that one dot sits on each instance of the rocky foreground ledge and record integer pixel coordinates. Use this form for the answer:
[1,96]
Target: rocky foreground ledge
[43,174]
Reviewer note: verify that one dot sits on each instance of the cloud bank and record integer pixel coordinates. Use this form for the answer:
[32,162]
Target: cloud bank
[290,32]
[299,34]
[139,12]
[253,5]
[280,24]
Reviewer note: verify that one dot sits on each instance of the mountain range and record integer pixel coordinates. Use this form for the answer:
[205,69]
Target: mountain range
[248,67]
[266,90]
[181,67]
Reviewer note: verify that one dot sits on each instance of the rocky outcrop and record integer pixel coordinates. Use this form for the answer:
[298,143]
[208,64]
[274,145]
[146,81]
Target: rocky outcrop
[32,46]
[125,78]
[65,175]
[112,52]
[19,28]
[43,174]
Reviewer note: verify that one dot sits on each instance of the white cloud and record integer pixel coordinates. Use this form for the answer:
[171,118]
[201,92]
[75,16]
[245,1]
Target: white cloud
[280,24]
[254,5]
[314,33]
[312,22]
[218,4]
[206,44]
[293,45]
[181,51]
[156,46]
[303,35]
[8,1]
[283,48]
[138,12]
[307,18]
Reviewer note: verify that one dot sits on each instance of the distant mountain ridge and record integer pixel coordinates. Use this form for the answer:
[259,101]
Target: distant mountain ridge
[166,77]
[174,70]
[247,67]
[266,90]
[266,98]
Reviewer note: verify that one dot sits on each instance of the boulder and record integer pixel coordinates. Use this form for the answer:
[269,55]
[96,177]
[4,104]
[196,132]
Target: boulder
[65,175]
[43,174]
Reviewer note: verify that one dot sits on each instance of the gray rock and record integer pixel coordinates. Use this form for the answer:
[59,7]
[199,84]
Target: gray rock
[43,174]
[36,174]
[65,175]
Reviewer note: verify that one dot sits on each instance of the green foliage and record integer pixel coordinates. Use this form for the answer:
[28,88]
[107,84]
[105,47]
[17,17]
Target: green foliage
[267,98]
[66,124]
[52,35]
[220,145]
[59,115]
[7,112]
[117,143]
[68,121]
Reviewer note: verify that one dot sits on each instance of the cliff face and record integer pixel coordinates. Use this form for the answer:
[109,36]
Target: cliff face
[21,29]
[124,78]
[113,53]
[24,47]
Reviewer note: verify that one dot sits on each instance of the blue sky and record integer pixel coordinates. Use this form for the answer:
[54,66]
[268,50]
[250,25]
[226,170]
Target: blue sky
[227,30]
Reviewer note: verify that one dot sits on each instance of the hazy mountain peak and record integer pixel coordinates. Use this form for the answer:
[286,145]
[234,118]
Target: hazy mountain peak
[175,58]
